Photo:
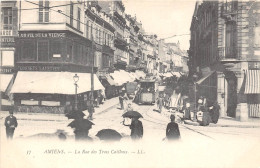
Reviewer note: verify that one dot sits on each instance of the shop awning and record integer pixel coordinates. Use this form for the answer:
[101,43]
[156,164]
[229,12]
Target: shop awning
[204,77]
[177,74]
[252,85]
[53,83]
[110,80]
[117,78]
[5,81]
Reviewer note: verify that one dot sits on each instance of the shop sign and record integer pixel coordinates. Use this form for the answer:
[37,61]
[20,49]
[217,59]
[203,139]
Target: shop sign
[39,68]
[41,35]
[7,41]
[6,70]
[254,65]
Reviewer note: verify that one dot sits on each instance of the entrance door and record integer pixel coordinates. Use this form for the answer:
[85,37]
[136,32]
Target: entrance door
[231,96]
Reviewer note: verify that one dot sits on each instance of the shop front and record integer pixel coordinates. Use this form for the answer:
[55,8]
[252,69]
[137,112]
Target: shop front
[46,62]
[50,92]
[7,50]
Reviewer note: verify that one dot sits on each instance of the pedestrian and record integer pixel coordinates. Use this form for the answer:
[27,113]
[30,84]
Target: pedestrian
[160,103]
[136,129]
[10,125]
[129,107]
[121,101]
[91,110]
[172,130]
[98,98]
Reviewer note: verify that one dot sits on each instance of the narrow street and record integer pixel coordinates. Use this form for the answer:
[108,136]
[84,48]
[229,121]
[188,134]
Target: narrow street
[154,123]
[196,142]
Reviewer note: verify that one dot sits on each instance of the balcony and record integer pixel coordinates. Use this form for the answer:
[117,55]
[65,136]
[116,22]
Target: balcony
[229,9]
[228,54]
[6,33]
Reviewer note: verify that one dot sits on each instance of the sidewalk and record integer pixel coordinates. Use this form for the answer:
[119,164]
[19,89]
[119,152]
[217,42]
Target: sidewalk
[229,122]
[222,122]
[107,105]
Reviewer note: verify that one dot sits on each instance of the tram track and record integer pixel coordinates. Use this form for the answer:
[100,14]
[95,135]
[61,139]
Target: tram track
[159,122]
[144,110]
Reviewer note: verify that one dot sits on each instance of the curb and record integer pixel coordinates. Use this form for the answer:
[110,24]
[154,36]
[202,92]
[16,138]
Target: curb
[220,125]
[61,120]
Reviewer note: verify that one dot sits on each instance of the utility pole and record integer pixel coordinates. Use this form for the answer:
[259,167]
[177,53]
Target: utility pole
[92,72]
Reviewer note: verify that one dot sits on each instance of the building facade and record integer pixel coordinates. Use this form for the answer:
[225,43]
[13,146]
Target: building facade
[116,10]
[224,52]
[8,33]
[52,45]
[99,27]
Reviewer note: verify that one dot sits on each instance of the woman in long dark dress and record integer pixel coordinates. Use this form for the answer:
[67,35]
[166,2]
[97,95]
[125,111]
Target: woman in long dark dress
[172,130]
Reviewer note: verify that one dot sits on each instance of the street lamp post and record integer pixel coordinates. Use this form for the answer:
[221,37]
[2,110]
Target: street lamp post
[76,79]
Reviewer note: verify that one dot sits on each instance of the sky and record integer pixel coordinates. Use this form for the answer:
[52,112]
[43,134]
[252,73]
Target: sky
[164,18]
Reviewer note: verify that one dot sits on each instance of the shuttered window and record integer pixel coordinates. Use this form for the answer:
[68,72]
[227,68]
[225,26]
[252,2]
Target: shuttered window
[257,37]
[7,18]
[44,11]
[78,19]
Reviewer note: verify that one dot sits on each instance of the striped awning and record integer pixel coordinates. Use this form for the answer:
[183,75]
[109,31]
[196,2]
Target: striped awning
[252,85]
[254,110]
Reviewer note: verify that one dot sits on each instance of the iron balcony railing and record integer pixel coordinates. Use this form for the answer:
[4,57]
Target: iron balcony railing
[229,7]
[228,53]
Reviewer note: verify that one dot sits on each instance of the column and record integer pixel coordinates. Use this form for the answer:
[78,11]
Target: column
[242,110]
[221,93]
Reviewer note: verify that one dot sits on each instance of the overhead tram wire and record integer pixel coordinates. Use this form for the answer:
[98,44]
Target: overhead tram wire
[49,7]
[59,11]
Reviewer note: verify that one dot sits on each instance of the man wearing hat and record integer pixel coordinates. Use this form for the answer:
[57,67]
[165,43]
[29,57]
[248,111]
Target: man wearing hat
[172,130]
[10,125]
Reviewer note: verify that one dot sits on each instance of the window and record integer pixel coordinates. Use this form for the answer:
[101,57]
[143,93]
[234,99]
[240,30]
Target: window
[96,37]
[69,51]
[91,31]
[230,40]
[71,14]
[43,50]
[78,20]
[7,18]
[44,11]
[257,37]
[87,29]
[28,50]
[100,36]
[55,49]
[7,58]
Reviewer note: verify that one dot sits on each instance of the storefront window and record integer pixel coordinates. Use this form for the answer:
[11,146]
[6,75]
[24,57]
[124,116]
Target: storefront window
[28,49]
[56,49]
[69,52]
[43,51]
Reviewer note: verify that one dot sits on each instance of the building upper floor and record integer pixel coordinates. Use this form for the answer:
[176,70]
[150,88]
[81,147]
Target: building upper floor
[52,15]
[9,18]
[224,31]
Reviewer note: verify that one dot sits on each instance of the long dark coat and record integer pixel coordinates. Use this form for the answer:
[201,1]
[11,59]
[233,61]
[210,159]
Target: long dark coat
[172,131]
[136,129]
[10,122]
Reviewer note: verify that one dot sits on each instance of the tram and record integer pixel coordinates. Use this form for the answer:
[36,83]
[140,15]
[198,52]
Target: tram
[146,91]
